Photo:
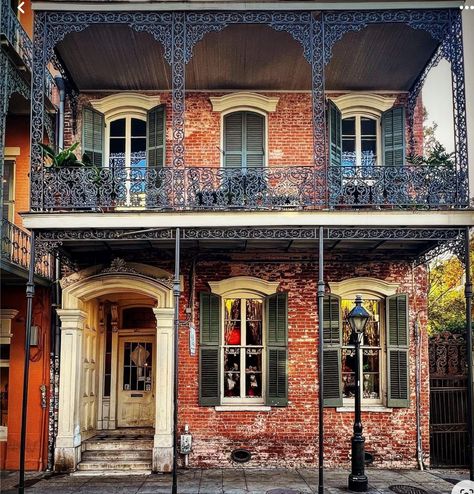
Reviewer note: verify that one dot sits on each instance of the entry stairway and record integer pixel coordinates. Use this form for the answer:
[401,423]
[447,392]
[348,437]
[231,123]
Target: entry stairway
[117,452]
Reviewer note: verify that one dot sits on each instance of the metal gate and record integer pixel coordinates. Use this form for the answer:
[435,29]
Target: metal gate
[448,401]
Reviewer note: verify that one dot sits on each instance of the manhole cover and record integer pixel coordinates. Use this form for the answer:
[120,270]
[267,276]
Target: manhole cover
[282,491]
[406,489]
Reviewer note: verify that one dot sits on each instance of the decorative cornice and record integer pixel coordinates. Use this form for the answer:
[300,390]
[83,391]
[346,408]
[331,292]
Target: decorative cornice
[8,313]
[239,284]
[367,287]
[244,100]
[372,104]
[120,104]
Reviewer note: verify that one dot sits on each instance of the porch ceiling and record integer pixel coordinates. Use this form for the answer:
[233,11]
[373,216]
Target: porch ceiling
[113,57]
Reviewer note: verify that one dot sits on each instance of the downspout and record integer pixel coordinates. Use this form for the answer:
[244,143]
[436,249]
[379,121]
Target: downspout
[62,98]
[418,341]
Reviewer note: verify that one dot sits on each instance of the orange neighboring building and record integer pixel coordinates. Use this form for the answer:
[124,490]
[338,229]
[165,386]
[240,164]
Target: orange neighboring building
[16,56]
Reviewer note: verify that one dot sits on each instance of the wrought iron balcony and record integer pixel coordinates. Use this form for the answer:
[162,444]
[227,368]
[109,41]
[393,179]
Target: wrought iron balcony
[85,188]
[15,249]
[15,36]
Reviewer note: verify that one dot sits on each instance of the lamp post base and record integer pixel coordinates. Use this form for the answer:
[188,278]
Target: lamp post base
[358,483]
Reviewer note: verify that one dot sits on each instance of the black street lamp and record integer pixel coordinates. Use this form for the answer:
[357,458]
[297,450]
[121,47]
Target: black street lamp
[358,482]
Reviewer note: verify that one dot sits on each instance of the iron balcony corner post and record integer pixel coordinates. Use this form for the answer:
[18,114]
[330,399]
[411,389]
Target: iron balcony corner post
[321,290]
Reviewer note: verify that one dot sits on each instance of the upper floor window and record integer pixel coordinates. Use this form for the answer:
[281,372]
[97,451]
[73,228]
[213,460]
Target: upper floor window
[125,131]
[364,131]
[244,140]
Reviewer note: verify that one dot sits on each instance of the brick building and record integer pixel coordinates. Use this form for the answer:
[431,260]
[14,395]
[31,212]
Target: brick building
[240,166]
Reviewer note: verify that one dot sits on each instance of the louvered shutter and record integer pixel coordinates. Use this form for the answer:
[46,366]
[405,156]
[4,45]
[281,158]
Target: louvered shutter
[276,315]
[156,136]
[93,125]
[332,341]
[397,351]
[254,136]
[233,140]
[210,328]
[393,136]
[335,135]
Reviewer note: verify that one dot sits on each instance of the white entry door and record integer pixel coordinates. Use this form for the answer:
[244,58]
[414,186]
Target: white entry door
[135,393]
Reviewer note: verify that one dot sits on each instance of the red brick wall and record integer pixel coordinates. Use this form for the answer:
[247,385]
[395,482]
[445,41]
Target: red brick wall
[288,436]
[290,133]
[37,430]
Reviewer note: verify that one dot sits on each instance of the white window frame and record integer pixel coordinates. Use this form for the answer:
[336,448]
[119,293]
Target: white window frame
[358,135]
[128,137]
[243,287]
[373,289]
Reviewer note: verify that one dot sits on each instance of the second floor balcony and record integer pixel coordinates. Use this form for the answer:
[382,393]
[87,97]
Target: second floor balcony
[262,111]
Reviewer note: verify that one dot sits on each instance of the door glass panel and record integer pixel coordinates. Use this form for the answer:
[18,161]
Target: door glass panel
[253,372]
[254,322]
[232,321]
[137,366]
[232,371]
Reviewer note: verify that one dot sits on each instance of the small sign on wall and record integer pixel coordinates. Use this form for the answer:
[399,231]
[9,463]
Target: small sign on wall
[192,339]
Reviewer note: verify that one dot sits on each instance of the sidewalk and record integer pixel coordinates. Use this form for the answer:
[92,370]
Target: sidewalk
[239,481]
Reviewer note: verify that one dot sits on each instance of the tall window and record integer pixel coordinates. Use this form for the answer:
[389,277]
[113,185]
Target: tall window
[8,193]
[244,140]
[127,143]
[243,346]
[359,141]
[372,353]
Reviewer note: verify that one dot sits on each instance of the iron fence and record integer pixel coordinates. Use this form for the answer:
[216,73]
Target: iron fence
[266,188]
[15,248]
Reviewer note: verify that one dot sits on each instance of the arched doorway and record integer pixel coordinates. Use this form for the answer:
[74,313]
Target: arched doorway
[116,359]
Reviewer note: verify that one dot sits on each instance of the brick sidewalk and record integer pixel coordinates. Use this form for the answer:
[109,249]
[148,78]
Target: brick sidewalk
[236,481]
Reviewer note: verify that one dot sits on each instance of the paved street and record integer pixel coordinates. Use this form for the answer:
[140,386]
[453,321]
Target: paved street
[237,481]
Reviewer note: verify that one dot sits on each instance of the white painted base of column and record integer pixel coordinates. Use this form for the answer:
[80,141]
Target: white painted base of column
[162,459]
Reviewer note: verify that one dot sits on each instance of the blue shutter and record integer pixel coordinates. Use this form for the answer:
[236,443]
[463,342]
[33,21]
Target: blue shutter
[93,125]
[156,136]
[335,135]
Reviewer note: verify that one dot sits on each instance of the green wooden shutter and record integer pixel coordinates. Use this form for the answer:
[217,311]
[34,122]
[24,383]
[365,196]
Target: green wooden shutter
[255,139]
[93,125]
[393,136]
[335,135]
[210,328]
[332,341]
[397,351]
[276,315]
[156,136]
[233,140]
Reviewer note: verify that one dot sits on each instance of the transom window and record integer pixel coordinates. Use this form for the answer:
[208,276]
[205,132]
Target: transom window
[372,354]
[127,143]
[242,350]
[359,141]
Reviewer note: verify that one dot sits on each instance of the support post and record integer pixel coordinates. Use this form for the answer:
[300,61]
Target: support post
[470,376]
[30,293]
[176,294]
[321,288]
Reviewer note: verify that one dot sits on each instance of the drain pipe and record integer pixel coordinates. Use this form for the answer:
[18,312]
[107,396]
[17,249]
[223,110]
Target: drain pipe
[62,98]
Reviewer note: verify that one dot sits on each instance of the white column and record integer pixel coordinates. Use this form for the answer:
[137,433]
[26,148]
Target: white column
[163,439]
[68,441]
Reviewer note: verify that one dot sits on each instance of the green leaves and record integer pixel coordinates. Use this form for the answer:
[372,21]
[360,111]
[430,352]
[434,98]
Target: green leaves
[66,157]
[438,156]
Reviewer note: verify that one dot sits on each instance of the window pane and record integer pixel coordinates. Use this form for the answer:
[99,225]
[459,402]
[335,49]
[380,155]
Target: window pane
[253,372]
[254,322]
[138,144]
[369,144]
[348,373]
[348,126]
[368,126]
[117,146]
[232,322]
[232,372]
[138,128]
[372,329]
[371,366]
[117,128]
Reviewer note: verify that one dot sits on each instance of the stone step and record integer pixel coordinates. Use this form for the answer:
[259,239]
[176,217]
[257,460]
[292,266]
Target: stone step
[128,431]
[118,455]
[109,444]
[126,465]
[110,473]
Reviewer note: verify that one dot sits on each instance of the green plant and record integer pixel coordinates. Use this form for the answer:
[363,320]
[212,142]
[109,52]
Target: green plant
[437,156]
[65,157]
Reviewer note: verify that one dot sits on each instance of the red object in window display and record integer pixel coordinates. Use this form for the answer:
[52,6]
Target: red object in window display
[234,337]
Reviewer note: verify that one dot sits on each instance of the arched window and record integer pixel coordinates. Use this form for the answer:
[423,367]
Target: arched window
[127,142]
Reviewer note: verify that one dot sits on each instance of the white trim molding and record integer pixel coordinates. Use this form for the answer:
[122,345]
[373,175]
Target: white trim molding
[363,103]
[244,99]
[125,104]
[241,286]
[10,153]
[367,287]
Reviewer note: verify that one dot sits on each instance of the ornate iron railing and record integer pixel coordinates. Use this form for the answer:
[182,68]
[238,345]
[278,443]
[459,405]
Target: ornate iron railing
[268,188]
[15,248]
[12,30]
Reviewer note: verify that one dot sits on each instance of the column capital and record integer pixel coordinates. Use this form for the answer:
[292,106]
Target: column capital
[71,318]
[163,312]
